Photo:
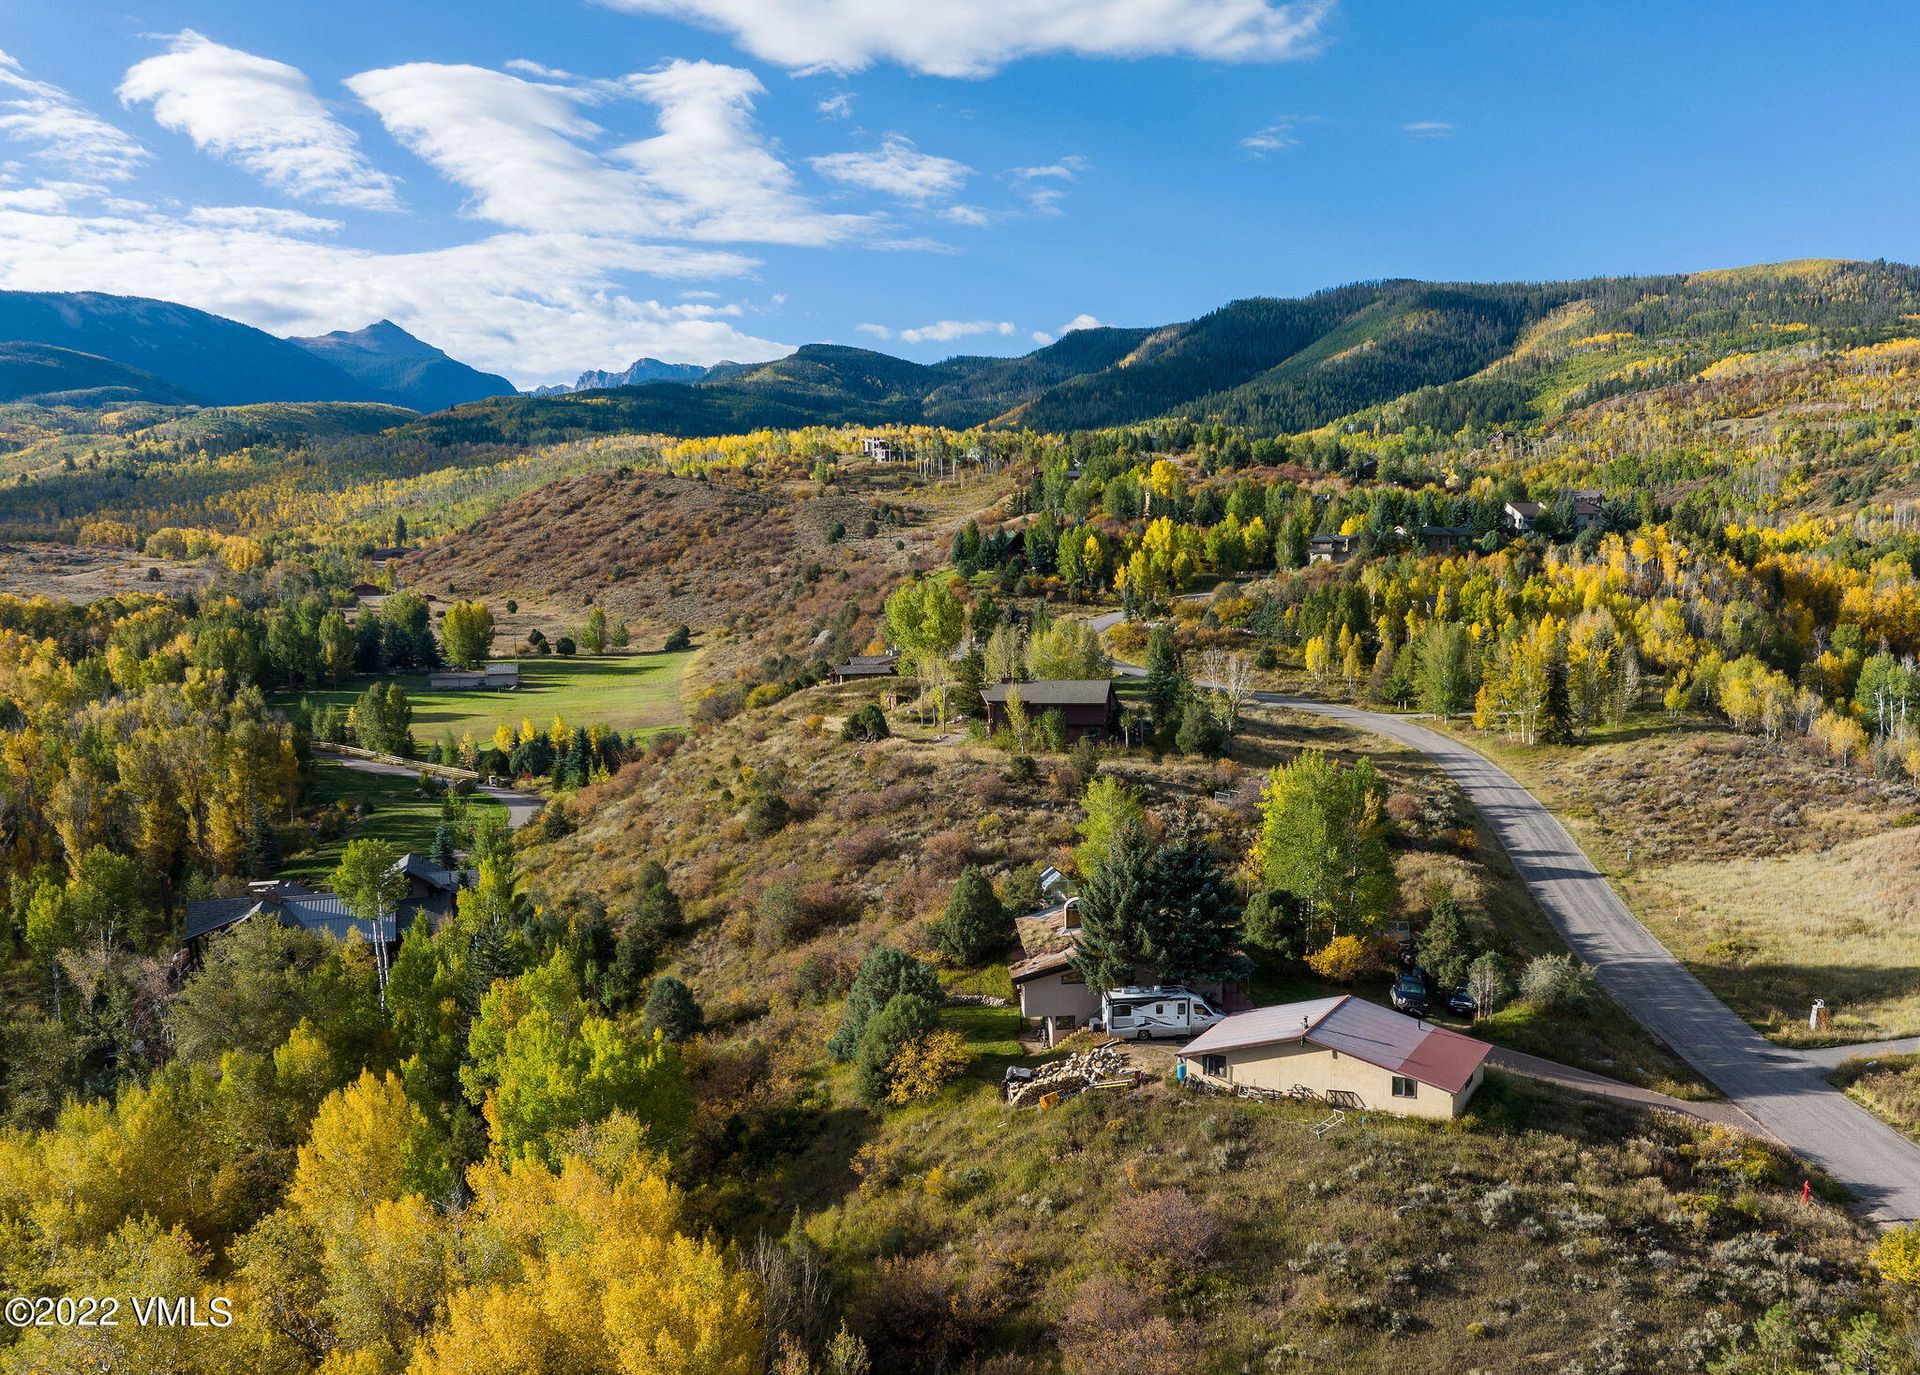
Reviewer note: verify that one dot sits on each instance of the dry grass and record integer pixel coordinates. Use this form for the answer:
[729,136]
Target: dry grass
[1549,1233]
[84,573]
[1771,935]
[1888,1086]
[1776,876]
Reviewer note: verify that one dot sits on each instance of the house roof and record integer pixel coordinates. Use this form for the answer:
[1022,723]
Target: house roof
[1039,966]
[1525,508]
[865,668]
[210,914]
[1056,692]
[1366,1031]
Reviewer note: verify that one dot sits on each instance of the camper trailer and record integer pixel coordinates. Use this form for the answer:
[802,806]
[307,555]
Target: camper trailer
[1144,1014]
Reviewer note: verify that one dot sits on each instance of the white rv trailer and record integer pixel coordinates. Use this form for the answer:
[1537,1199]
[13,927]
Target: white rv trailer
[1145,1014]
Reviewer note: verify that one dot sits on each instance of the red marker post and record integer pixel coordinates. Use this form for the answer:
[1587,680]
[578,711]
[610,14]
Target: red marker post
[1806,1191]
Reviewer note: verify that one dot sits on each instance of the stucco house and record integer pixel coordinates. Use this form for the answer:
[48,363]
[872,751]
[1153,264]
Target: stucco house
[1388,1061]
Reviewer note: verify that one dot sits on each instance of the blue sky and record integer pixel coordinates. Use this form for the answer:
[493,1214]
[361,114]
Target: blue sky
[541,188]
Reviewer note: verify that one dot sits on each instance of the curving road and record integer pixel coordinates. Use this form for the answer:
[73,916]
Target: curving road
[521,807]
[1784,1090]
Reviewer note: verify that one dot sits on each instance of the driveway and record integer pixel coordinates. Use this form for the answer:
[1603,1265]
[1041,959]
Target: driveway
[521,807]
[1783,1090]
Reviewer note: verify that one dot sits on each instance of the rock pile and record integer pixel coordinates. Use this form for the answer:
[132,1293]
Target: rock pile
[1104,1066]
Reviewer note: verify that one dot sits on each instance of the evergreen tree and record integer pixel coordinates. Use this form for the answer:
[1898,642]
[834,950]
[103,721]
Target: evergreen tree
[1446,946]
[671,1009]
[1193,922]
[442,850]
[1557,728]
[1166,689]
[263,845]
[1114,907]
[883,975]
[1200,731]
[975,924]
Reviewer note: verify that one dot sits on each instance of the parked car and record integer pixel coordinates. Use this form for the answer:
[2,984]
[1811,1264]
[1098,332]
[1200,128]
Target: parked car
[1410,994]
[1462,1003]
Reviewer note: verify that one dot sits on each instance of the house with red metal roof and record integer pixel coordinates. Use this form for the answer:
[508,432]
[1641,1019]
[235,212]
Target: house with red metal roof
[1336,1047]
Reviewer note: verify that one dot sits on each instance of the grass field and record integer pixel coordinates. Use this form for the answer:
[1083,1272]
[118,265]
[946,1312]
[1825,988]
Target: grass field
[624,691]
[395,813]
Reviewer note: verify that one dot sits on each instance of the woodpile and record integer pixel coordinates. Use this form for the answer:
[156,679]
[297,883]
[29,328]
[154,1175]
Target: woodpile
[1102,1067]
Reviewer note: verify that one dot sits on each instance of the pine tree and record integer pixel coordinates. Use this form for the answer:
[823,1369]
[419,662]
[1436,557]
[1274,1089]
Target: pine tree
[1193,924]
[1166,679]
[1446,946]
[1558,727]
[442,850]
[1114,906]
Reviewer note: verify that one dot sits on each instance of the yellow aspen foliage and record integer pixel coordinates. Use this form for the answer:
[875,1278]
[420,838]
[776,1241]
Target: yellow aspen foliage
[503,738]
[1897,1257]
[921,1066]
[583,1269]
[1344,959]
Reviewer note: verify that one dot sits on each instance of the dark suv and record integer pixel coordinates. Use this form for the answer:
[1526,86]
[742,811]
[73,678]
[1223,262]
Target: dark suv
[1410,994]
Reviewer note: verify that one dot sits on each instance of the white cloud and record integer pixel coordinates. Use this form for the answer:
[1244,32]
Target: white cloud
[944,331]
[969,38]
[715,166]
[1041,337]
[898,169]
[531,306]
[261,217]
[970,215]
[262,115]
[1427,128]
[839,105]
[877,331]
[522,148]
[1081,321]
[58,128]
[1044,187]
[1275,138]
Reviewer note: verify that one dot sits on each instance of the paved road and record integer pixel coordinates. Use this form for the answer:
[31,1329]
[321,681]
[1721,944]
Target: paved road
[1533,1067]
[521,807]
[1784,1090]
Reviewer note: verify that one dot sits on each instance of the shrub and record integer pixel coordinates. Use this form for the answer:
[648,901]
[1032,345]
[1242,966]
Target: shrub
[820,979]
[906,1017]
[671,1009]
[1161,1232]
[948,852]
[1897,1257]
[864,845]
[866,725]
[921,1066]
[1344,959]
[1551,982]
[780,918]
[1111,1325]
[1200,731]
[680,638]
[766,812]
[975,924]
[1020,890]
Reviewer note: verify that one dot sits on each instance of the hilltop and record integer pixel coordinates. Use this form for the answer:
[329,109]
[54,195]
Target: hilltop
[403,370]
[1451,353]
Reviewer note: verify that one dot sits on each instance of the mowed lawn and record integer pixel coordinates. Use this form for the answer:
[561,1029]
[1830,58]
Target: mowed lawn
[395,813]
[626,692]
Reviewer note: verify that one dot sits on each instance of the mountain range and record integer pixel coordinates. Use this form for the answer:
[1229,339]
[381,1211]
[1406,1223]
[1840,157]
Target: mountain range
[639,371]
[87,348]
[1440,355]
[1407,353]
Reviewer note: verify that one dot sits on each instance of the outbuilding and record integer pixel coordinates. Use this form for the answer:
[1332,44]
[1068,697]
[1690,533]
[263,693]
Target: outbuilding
[1342,1046]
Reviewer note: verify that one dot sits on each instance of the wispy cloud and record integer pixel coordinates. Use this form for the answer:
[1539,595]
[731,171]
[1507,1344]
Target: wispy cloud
[1080,321]
[1275,138]
[529,155]
[839,105]
[1427,128]
[972,38]
[54,126]
[898,169]
[1045,187]
[260,114]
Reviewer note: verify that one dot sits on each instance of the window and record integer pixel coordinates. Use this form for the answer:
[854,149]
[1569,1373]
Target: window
[1404,1087]
[1214,1065]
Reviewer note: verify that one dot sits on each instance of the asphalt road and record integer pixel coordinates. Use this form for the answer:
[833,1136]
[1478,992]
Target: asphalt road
[1783,1090]
[521,807]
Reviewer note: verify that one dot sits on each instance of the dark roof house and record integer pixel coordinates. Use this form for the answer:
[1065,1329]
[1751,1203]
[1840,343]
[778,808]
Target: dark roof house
[1087,706]
[431,892]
